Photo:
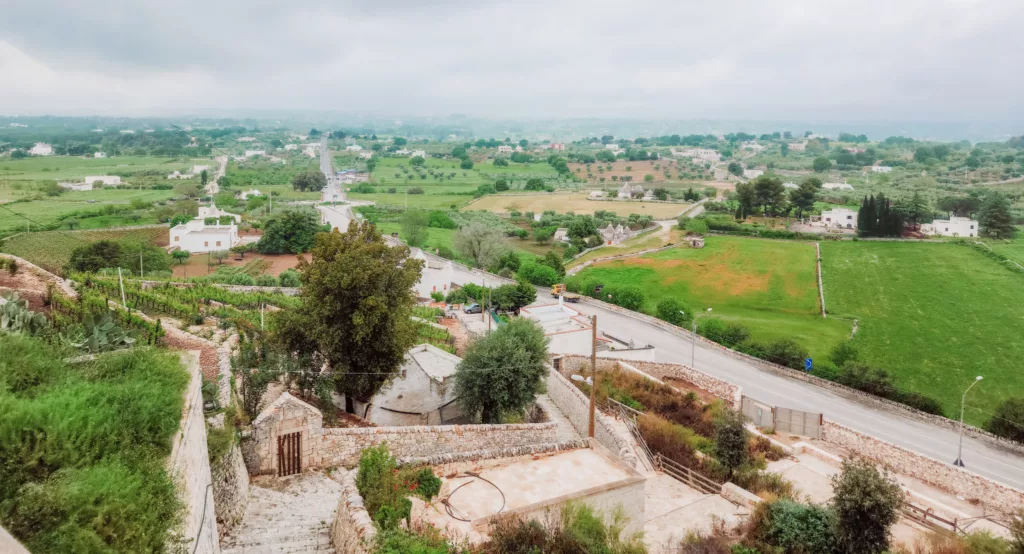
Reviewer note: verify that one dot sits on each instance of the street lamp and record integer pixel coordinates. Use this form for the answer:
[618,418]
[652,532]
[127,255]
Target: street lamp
[693,344]
[960,448]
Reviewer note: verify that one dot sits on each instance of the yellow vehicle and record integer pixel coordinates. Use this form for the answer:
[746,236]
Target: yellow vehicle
[559,290]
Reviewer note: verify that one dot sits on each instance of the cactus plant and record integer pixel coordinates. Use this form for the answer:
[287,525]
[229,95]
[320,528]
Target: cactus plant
[15,317]
[98,333]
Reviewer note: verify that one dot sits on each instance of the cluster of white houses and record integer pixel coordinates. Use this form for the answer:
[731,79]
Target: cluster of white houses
[197,236]
[845,218]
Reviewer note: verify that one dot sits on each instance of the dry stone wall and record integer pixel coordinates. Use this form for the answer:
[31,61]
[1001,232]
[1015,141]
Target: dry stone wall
[660,371]
[352,531]
[940,474]
[230,490]
[331,447]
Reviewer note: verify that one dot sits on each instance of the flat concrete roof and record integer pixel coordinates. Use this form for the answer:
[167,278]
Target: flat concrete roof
[525,483]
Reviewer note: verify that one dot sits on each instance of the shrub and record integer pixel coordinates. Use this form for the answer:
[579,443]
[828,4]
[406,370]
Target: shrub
[786,352]
[419,541]
[290,278]
[672,441]
[867,503]
[672,311]
[243,279]
[457,296]
[415,190]
[731,439]
[1008,420]
[629,297]
[538,274]
[842,353]
[267,280]
[437,296]
[377,481]
[797,528]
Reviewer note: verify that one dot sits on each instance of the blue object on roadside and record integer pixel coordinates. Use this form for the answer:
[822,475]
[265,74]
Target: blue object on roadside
[808,365]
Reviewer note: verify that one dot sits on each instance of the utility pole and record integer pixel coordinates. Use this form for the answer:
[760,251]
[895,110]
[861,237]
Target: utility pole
[121,282]
[593,373]
[141,275]
[261,316]
[963,400]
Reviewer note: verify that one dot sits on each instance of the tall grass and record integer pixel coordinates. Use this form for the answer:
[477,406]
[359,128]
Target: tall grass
[83,447]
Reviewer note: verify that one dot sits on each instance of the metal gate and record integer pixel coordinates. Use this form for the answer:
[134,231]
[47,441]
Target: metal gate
[784,420]
[289,454]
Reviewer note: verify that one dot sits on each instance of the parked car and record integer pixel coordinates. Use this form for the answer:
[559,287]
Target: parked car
[472,309]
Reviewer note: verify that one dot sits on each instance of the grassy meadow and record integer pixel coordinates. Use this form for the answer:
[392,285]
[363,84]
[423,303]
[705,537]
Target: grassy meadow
[51,168]
[51,250]
[767,286]
[934,315]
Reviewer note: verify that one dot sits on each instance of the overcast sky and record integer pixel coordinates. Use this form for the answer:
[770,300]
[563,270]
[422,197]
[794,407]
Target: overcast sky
[870,60]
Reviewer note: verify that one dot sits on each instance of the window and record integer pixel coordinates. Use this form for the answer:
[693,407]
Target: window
[206,243]
[849,217]
[177,239]
[947,229]
[218,243]
[972,227]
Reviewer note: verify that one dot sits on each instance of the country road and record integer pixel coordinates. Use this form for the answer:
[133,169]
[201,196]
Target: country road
[983,458]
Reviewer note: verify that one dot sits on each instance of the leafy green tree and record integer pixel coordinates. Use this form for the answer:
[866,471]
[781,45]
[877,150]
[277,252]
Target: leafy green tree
[803,198]
[554,261]
[736,168]
[311,181]
[417,161]
[538,274]
[813,181]
[661,193]
[204,177]
[747,197]
[1008,420]
[822,164]
[355,309]
[289,232]
[784,149]
[466,164]
[459,152]
[181,256]
[501,185]
[769,192]
[399,141]
[672,311]
[153,258]
[995,218]
[500,374]
[581,227]
[731,439]
[534,183]
[480,243]
[498,162]
[414,227]
[95,256]
[867,504]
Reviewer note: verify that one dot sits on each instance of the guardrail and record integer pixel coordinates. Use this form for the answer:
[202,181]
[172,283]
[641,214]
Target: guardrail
[928,518]
[629,416]
[686,475]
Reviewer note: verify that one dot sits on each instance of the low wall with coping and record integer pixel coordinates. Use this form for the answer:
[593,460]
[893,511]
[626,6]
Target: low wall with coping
[331,447]
[576,407]
[947,477]
[352,531]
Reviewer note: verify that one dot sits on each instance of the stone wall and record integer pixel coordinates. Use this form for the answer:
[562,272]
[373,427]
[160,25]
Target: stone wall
[352,531]
[576,407]
[189,467]
[230,490]
[722,389]
[947,477]
[330,447]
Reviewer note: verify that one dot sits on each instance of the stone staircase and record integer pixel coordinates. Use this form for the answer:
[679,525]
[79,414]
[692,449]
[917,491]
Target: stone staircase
[289,514]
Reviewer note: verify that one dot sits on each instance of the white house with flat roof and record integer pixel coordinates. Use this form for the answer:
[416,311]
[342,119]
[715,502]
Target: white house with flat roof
[80,187]
[354,148]
[252,153]
[837,186]
[41,149]
[569,331]
[99,155]
[246,194]
[196,236]
[105,179]
[843,218]
[423,393]
[197,169]
[213,211]
[881,168]
[752,173]
[504,149]
[420,153]
[952,227]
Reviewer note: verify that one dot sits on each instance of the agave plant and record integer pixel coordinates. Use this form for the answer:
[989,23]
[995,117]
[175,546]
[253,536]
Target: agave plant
[98,333]
[15,317]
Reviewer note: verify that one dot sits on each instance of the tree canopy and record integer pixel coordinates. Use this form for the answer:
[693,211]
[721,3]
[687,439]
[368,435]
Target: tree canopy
[355,308]
[480,243]
[311,181]
[290,232]
[995,218]
[501,373]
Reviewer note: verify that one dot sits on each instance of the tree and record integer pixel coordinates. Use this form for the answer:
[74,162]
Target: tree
[399,141]
[746,196]
[661,193]
[538,274]
[501,185]
[220,255]
[784,150]
[95,256]
[554,261]
[204,177]
[417,161]
[813,181]
[1008,420]
[290,232]
[736,168]
[731,439]
[770,192]
[311,181]
[581,227]
[314,133]
[803,198]
[355,309]
[466,164]
[498,162]
[181,256]
[822,164]
[995,218]
[483,244]
[867,504]
[534,183]
[414,227]
[915,210]
[500,374]
[672,311]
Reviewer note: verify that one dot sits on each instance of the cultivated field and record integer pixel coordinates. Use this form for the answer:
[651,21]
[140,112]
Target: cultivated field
[573,202]
[50,168]
[934,315]
[1013,249]
[47,209]
[51,250]
[770,287]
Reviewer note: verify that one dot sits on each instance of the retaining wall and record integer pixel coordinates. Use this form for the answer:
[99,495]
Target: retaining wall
[230,490]
[330,447]
[722,389]
[352,531]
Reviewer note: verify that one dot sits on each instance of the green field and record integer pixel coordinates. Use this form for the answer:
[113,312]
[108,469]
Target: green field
[767,286]
[1013,249]
[51,250]
[446,237]
[427,201]
[935,315]
[47,209]
[50,168]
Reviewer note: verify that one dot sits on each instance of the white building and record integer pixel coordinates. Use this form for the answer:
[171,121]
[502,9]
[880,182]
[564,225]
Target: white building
[611,146]
[952,227]
[629,191]
[753,145]
[790,185]
[798,146]
[402,152]
[105,179]
[706,154]
[504,149]
[420,153]
[196,236]
[251,153]
[291,147]
[752,173]
[365,155]
[596,194]
[99,155]
[842,218]
[245,194]
[438,275]
[613,235]
[197,169]
[310,151]
[213,211]
[246,139]
[837,186]
[561,234]
[80,187]
[569,331]
[881,168]
[354,148]
[41,149]
[422,394]
[179,175]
